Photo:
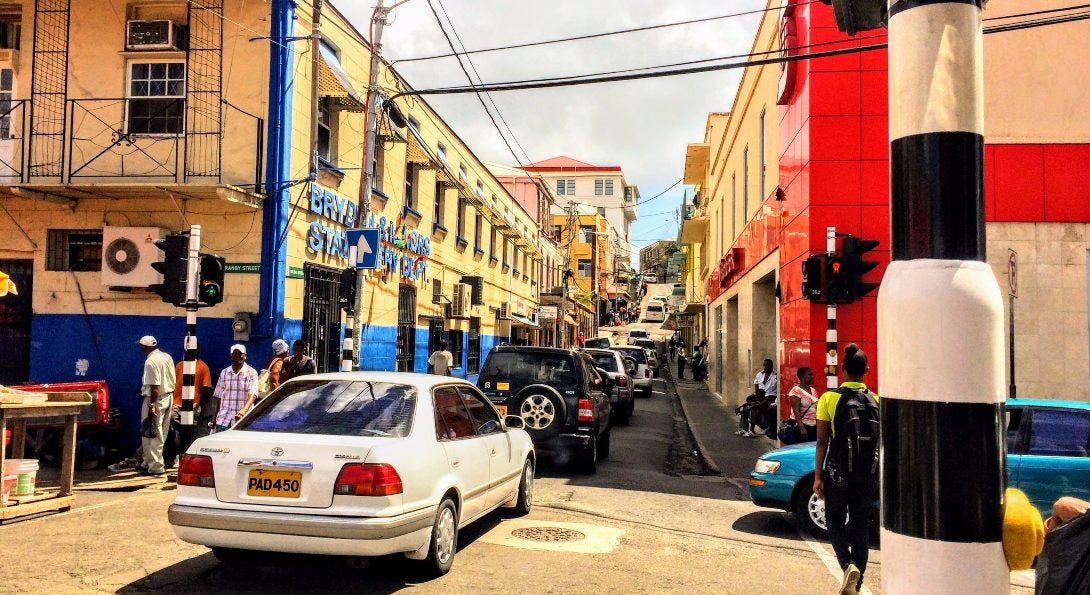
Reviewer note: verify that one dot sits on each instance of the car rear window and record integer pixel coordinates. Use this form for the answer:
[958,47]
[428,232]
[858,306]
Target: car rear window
[648,343]
[598,343]
[337,408]
[605,361]
[654,308]
[636,353]
[523,369]
[637,334]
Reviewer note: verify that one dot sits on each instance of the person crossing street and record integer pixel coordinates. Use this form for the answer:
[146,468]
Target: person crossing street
[157,388]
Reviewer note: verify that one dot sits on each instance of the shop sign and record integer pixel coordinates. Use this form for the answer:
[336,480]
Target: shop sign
[789,69]
[336,213]
[295,273]
[686,320]
[402,252]
[546,313]
[242,268]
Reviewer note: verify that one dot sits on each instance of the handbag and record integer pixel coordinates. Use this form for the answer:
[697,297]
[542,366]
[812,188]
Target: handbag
[148,428]
[789,432]
[1064,564]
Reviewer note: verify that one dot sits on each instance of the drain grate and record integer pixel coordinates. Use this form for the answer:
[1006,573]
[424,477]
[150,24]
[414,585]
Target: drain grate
[548,534]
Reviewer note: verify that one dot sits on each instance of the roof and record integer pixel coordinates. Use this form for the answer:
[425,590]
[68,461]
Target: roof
[567,164]
[532,349]
[425,381]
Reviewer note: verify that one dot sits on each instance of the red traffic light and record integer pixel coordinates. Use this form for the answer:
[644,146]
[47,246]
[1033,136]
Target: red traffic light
[835,266]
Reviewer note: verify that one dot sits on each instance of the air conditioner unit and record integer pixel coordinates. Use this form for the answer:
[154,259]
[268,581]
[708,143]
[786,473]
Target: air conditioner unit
[436,291]
[127,254]
[505,312]
[460,300]
[152,35]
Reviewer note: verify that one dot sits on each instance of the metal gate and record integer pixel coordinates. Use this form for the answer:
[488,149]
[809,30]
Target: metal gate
[473,347]
[15,314]
[406,328]
[322,315]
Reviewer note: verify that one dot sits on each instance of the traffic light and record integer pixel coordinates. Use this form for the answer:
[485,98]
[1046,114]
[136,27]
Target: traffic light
[210,280]
[853,249]
[346,297]
[812,269]
[853,16]
[173,267]
[838,280]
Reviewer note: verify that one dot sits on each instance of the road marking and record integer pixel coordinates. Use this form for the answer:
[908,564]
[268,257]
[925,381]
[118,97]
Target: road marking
[827,558]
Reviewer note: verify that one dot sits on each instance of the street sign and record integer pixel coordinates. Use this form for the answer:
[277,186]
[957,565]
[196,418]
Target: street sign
[364,243]
[546,312]
[1012,273]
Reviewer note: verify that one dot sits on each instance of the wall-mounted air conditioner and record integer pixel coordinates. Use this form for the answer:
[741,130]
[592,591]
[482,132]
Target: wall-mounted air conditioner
[505,312]
[460,301]
[152,35]
[127,254]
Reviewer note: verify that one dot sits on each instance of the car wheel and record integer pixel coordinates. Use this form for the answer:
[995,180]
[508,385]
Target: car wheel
[235,557]
[603,445]
[587,458]
[810,510]
[444,540]
[623,415]
[543,414]
[525,499]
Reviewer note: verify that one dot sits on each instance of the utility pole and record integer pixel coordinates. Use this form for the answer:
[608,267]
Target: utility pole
[940,317]
[564,342]
[189,361]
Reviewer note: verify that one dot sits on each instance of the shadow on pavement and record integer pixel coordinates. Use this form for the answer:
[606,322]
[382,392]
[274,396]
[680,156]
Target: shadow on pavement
[767,523]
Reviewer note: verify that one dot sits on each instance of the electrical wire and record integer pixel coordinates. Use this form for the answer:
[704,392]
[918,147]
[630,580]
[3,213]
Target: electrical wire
[598,35]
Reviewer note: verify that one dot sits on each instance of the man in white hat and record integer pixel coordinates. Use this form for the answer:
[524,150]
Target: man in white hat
[235,391]
[157,388]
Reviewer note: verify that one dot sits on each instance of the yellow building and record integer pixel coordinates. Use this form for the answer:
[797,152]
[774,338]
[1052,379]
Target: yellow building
[585,240]
[144,117]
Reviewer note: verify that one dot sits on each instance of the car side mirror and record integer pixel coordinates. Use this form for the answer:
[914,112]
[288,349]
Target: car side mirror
[514,422]
[489,427]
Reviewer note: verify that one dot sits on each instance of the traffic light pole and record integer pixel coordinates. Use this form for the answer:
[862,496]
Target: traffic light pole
[348,350]
[940,316]
[831,381]
[189,363]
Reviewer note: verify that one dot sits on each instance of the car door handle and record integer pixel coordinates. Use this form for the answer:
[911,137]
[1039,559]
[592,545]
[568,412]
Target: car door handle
[455,462]
[493,453]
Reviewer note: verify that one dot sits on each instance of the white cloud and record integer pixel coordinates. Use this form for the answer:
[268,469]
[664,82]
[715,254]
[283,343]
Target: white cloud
[643,126]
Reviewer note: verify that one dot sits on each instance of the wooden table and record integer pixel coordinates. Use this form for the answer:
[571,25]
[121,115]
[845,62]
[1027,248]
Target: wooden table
[66,405]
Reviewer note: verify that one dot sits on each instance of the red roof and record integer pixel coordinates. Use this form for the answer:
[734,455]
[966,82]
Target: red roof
[563,163]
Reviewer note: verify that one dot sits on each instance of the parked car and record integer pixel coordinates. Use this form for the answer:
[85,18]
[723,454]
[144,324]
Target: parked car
[641,380]
[620,398]
[559,396]
[1047,457]
[355,464]
[598,343]
[652,354]
[637,333]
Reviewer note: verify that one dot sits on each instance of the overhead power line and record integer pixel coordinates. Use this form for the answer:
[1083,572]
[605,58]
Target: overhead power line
[594,80]
[597,35]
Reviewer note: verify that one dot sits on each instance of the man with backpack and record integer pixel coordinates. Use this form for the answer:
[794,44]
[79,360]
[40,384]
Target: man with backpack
[846,466]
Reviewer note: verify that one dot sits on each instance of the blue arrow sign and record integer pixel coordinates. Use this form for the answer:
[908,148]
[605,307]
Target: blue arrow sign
[364,243]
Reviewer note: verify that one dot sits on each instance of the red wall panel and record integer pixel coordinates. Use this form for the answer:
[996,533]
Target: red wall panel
[1019,183]
[834,183]
[1067,182]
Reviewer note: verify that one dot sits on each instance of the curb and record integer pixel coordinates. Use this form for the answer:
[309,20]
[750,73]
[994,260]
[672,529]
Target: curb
[705,457]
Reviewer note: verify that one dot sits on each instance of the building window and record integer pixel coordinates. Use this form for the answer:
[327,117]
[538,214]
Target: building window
[480,189]
[492,242]
[515,259]
[504,258]
[377,167]
[733,206]
[463,173]
[585,267]
[557,232]
[411,172]
[602,211]
[461,222]
[455,340]
[586,233]
[7,83]
[74,250]
[414,124]
[603,187]
[9,33]
[156,97]
[477,223]
[325,134]
[745,184]
[565,186]
[443,152]
[437,212]
[761,160]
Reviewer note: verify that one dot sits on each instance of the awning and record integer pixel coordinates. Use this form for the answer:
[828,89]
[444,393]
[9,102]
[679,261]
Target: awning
[523,321]
[570,320]
[333,82]
[693,230]
[694,308]
[418,151]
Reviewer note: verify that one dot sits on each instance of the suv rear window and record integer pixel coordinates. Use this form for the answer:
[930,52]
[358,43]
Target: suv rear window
[648,343]
[605,361]
[636,353]
[521,369]
[597,343]
[337,408]
[654,307]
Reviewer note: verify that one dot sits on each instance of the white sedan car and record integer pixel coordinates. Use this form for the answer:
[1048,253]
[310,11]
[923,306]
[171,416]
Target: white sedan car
[355,464]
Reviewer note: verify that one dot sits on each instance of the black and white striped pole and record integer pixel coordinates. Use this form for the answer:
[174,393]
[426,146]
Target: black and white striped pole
[831,379]
[189,361]
[940,316]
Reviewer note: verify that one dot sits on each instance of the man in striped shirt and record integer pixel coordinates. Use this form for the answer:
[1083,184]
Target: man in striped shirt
[235,391]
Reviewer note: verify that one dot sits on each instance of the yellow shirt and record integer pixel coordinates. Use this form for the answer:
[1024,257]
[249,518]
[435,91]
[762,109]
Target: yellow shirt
[826,407]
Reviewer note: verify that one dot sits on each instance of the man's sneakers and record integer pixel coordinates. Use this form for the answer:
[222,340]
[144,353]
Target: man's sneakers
[741,433]
[851,580]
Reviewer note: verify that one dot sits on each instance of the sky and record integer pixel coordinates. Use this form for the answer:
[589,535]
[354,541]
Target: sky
[642,126]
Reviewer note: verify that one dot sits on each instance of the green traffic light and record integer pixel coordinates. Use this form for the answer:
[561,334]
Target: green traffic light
[210,290]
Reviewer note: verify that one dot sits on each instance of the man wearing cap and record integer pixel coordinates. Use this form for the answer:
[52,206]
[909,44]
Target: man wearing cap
[157,388]
[276,364]
[235,391]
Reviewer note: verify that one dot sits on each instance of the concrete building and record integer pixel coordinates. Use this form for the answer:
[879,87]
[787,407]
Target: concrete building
[805,146]
[144,117]
[654,258]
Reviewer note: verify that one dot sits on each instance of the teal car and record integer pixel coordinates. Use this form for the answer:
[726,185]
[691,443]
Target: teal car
[1048,456]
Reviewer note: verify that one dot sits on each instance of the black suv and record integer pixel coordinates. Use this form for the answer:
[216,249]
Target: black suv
[559,395]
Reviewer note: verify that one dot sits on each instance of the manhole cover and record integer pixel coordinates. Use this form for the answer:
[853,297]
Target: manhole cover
[548,534]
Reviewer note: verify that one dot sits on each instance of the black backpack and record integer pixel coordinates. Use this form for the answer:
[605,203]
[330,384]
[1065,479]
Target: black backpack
[857,430]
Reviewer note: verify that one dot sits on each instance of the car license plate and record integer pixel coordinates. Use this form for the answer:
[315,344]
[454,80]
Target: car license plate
[276,484]
[502,409]
[503,386]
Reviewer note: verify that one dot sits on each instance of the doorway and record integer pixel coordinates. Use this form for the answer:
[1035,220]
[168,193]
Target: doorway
[322,315]
[718,338]
[735,384]
[15,315]
[406,328]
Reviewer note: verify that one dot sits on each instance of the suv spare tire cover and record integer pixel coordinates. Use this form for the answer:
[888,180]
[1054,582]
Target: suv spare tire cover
[535,404]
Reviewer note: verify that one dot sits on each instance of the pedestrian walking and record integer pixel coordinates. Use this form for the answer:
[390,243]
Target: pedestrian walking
[441,360]
[181,436]
[299,364]
[236,390]
[681,362]
[157,388]
[846,466]
[804,406]
[276,364]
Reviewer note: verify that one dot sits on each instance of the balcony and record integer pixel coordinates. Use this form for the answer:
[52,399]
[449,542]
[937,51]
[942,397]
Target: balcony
[122,148]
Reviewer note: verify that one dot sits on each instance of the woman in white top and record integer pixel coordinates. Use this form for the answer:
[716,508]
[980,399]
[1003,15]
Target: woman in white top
[804,405]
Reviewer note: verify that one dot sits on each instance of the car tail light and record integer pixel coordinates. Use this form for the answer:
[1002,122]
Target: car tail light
[622,381]
[586,410]
[196,470]
[362,479]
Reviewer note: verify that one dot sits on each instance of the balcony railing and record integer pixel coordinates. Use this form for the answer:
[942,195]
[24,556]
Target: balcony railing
[123,139]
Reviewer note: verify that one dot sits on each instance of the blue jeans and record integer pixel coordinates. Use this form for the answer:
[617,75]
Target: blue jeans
[848,510]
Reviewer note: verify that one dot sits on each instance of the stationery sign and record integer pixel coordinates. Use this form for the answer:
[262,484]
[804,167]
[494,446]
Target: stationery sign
[328,233]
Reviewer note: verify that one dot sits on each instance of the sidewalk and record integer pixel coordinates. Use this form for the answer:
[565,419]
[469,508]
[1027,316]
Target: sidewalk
[713,424]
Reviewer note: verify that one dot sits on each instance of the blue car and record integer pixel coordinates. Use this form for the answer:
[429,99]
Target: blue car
[1048,456]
